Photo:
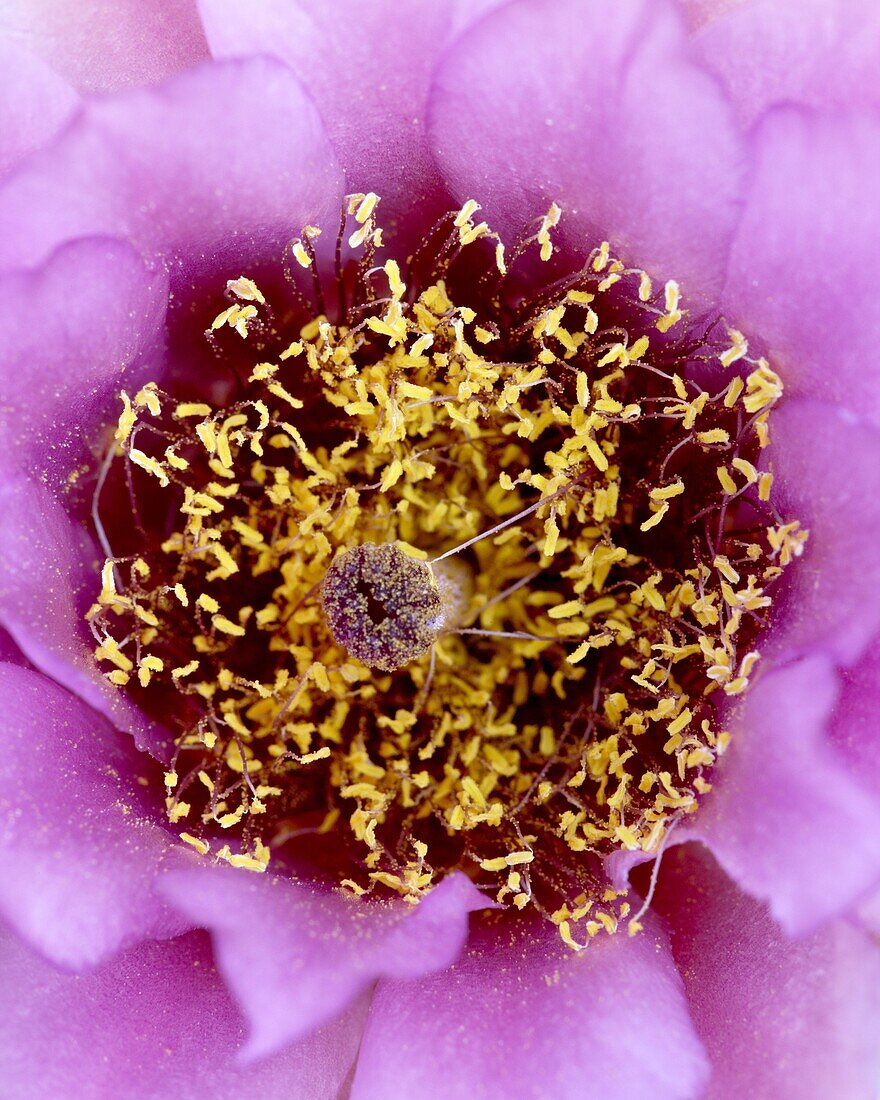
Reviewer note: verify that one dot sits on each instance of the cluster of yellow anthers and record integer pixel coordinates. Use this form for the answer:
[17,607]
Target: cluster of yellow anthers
[588,487]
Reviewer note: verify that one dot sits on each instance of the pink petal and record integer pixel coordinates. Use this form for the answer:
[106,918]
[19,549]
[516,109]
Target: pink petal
[820,53]
[79,848]
[100,47]
[854,729]
[153,1023]
[49,570]
[801,276]
[786,819]
[9,651]
[36,104]
[597,107]
[827,467]
[89,322]
[295,954]
[868,915]
[781,1019]
[697,13]
[368,67]
[522,1015]
[215,168]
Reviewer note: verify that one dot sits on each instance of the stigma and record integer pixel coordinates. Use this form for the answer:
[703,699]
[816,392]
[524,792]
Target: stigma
[382,605]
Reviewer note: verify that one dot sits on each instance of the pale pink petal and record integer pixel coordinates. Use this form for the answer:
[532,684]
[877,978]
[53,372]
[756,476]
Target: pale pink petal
[801,278]
[295,954]
[9,651]
[820,53]
[786,818]
[153,1023]
[597,107]
[368,67]
[782,1019]
[855,730]
[697,13]
[90,321]
[102,45]
[79,844]
[521,1015]
[827,468]
[213,169]
[49,571]
[35,105]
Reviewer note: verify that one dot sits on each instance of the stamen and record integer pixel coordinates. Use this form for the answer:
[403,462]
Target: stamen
[501,526]
[285,597]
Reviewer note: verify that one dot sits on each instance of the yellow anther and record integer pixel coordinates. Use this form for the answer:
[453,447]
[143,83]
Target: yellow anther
[246,289]
[201,846]
[667,492]
[236,317]
[192,408]
[395,283]
[184,670]
[127,419]
[655,518]
[226,626]
[713,435]
[365,207]
[566,610]
[727,482]
[148,463]
[739,347]
[548,222]
[466,213]
[300,255]
[148,399]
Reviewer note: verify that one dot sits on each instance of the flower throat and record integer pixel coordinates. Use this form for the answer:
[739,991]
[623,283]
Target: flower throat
[456,579]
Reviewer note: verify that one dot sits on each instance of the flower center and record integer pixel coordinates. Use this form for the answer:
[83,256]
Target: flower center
[456,579]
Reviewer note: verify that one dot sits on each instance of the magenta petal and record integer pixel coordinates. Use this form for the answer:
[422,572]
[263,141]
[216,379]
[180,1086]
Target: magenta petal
[370,83]
[820,53]
[79,850]
[595,106]
[868,915]
[48,574]
[154,1023]
[827,468]
[9,651]
[63,363]
[220,166]
[786,819]
[295,954]
[521,1015]
[71,351]
[801,275]
[855,730]
[99,47]
[35,105]
[781,1019]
